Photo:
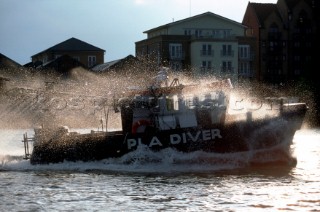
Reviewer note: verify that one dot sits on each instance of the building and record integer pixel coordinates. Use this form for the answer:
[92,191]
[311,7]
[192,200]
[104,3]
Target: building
[285,38]
[83,52]
[7,63]
[121,65]
[203,44]
[8,69]
[61,65]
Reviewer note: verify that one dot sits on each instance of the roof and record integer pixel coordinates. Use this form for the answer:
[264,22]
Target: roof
[105,66]
[111,64]
[263,10]
[191,18]
[72,44]
[6,62]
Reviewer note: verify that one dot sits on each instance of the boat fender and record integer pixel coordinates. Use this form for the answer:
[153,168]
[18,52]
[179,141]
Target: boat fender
[137,124]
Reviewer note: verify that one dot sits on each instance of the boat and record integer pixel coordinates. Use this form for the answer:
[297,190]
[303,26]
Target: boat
[185,117]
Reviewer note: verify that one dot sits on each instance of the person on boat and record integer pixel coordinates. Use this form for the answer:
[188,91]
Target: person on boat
[162,78]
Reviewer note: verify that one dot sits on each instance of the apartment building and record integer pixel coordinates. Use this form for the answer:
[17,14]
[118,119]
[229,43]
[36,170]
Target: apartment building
[202,44]
[285,39]
[275,43]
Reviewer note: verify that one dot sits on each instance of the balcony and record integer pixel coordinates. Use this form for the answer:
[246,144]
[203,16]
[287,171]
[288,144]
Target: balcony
[227,53]
[245,74]
[206,53]
[227,70]
[248,57]
[206,69]
[177,55]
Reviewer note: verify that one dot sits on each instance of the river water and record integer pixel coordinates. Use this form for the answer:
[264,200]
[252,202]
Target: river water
[164,181]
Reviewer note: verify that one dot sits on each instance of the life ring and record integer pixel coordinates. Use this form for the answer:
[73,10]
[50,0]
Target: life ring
[137,124]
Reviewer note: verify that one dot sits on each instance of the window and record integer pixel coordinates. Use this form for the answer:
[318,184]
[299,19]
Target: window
[226,50]
[209,49]
[206,66]
[175,50]
[216,33]
[273,45]
[284,43]
[227,66]
[296,58]
[284,57]
[244,51]
[91,61]
[274,32]
[206,50]
[244,69]
[226,33]
[187,32]
[198,33]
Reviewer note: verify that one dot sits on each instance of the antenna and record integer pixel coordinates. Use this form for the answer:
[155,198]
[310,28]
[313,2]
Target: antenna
[189,8]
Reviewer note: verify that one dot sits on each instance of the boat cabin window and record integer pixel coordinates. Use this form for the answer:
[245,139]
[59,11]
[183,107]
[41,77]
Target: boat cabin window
[172,103]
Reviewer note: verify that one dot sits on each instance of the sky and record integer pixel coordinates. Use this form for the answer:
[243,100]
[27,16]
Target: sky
[29,27]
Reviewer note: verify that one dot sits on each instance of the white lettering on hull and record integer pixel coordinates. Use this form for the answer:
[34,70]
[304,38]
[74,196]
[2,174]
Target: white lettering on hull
[133,142]
[154,142]
[175,139]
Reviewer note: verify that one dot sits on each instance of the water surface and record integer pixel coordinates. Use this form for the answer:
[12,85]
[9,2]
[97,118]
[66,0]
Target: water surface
[165,181]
